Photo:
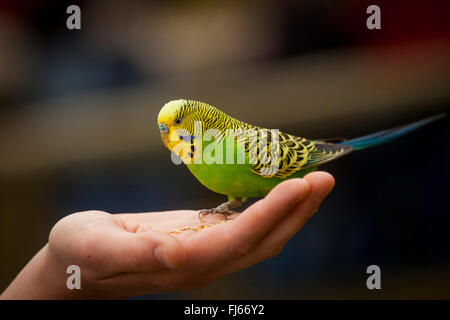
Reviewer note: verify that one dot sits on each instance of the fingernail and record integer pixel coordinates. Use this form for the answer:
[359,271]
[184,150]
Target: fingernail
[304,194]
[161,255]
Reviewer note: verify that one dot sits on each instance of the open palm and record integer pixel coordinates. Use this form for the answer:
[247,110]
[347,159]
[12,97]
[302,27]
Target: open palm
[123,255]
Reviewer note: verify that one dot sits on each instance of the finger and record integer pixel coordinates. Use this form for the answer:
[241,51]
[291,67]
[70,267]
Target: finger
[141,250]
[152,250]
[259,219]
[321,184]
[231,240]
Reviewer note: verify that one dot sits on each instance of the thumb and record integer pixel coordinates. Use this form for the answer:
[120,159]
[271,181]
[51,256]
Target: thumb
[150,250]
[138,249]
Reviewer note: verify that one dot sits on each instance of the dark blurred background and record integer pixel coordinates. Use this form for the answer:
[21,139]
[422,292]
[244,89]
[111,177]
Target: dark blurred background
[78,129]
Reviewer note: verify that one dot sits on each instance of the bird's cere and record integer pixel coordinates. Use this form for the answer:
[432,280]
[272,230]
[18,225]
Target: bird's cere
[217,147]
[163,128]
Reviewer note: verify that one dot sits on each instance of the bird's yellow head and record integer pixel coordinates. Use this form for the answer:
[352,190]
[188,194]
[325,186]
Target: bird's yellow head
[174,115]
[182,118]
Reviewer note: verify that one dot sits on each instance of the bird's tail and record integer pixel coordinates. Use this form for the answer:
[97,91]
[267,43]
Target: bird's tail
[380,137]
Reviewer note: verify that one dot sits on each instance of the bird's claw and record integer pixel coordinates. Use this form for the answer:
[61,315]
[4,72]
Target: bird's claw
[203,212]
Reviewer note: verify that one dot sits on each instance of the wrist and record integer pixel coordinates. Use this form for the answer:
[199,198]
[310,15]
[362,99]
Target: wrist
[44,277]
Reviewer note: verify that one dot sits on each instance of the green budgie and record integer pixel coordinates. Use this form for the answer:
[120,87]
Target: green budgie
[209,141]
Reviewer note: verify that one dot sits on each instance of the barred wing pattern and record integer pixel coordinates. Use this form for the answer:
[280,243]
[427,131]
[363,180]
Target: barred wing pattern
[293,153]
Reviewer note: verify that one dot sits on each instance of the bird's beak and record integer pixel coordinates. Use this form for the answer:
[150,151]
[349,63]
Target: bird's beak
[164,131]
[165,139]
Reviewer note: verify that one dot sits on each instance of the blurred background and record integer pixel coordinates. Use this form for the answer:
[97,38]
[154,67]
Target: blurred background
[78,131]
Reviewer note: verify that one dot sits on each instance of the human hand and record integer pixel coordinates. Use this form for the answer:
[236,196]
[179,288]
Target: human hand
[124,255]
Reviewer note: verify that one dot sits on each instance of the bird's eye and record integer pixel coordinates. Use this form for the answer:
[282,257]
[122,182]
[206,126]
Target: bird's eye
[177,121]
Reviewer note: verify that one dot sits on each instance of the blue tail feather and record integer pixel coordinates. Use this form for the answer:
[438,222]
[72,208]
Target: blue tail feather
[380,137]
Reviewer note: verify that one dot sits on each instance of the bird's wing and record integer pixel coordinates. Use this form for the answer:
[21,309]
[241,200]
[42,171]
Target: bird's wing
[325,152]
[295,153]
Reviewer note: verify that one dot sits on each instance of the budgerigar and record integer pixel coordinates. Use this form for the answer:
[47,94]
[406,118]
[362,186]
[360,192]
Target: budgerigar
[181,121]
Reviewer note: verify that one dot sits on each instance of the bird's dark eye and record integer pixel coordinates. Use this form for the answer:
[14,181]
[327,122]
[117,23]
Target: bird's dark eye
[177,121]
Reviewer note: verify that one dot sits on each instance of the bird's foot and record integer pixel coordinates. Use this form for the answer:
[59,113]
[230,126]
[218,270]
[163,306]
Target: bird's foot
[225,209]
[204,212]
